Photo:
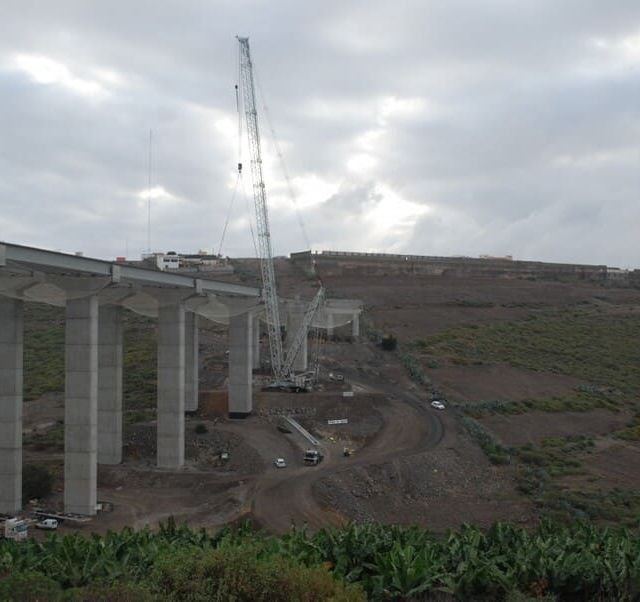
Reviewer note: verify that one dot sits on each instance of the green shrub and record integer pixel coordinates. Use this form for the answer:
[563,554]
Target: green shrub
[494,450]
[29,587]
[236,573]
[414,367]
[122,592]
[200,429]
[37,482]
[389,342]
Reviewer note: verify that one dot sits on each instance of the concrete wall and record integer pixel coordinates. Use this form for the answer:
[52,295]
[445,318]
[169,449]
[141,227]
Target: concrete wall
[337,262]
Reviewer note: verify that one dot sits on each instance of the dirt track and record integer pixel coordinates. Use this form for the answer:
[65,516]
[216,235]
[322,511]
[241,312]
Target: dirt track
[286,498]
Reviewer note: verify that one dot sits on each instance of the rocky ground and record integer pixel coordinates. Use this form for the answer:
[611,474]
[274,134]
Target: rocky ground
[411,464]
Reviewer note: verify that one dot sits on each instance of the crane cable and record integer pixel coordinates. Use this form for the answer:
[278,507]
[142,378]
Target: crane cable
[283,165]
[229,209]
[285,172]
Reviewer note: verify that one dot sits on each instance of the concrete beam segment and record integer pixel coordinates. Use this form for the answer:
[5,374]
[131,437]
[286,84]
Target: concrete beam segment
[295,318]
[191,362]
[72,263]
[171,385]
[256,343]
[11,329]
[240,366]
[81,406]
[110,334]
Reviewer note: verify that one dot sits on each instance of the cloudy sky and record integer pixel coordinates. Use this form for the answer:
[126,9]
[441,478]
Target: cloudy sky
[442,127]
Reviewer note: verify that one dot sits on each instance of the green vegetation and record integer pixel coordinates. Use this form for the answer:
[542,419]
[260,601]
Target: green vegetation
[580,401]
[560,561]
[37,482]
[44,355]
[539,468]
[599,349]
[632,431]
[388,342]
[139,379]
[495,451]
[48,438]
[140,415]
[43,350]
[414,367]
[200,428]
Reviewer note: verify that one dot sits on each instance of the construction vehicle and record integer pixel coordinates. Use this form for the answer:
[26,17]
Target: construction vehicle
[312,457]
[14,528]
[281,362]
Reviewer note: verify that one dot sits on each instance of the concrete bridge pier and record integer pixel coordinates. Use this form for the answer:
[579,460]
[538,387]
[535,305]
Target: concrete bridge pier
[11,331]
[191,366]
[241,365]
[355,326]
[295,318]
[110,335]
[81,406]
[171,385]
[256,343]
[329,324]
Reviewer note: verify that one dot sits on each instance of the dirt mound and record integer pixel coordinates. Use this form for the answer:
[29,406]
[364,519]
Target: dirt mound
[202,451]
[439,489]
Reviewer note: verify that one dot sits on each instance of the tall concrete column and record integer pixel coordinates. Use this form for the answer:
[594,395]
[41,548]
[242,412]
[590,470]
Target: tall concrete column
[191,365]
[110,334]
[329,324]
[10,405]
[81,406]
[256,343]
[295,318]
[240,366]
[355,326]
[171,385]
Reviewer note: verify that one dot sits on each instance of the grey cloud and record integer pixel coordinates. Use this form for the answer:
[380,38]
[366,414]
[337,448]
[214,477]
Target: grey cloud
[526,145]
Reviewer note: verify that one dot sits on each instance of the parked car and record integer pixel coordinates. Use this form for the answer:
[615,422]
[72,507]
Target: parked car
[437,404]
[280,463]
[49,524]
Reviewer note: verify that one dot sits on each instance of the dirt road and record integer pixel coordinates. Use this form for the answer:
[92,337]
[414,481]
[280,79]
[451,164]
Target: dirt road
[286,498]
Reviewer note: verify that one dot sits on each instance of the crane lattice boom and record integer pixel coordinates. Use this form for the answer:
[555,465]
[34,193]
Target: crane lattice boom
[262,216]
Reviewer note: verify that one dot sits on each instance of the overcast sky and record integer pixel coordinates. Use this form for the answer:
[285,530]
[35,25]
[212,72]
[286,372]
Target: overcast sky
[429,127]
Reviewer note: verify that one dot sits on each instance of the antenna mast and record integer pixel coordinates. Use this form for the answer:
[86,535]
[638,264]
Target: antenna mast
[149,196]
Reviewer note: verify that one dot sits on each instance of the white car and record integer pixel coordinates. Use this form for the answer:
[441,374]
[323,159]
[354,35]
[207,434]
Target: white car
[49,524]
[438,405]
[280,463]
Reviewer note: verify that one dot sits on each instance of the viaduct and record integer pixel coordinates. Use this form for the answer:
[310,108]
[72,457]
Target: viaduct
[95,293]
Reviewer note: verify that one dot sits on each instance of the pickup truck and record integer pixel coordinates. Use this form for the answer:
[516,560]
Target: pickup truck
[312,457]
[48,524]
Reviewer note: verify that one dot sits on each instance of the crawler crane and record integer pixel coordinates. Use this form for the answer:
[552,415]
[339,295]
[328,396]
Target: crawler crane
[281,362]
